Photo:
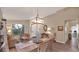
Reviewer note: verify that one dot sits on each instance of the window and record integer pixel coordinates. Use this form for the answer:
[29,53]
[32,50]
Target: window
[17,29]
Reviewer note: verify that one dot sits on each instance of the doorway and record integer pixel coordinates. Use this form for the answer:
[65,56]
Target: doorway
[71,32]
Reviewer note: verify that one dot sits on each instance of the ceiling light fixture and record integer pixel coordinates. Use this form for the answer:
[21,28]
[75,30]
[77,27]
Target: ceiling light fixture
[37,19]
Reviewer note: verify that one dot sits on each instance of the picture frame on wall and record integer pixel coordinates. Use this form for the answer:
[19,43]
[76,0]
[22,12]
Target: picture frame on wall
[60,28]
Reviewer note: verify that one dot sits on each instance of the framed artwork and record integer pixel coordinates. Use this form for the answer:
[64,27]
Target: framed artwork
[60,28]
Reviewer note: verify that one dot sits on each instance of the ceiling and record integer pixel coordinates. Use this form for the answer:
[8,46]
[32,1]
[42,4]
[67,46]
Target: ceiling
[20,13]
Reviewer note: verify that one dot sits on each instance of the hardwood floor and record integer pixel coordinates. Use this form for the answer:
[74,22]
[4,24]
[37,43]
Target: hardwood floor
[68,47]
[12,50]
[60,47]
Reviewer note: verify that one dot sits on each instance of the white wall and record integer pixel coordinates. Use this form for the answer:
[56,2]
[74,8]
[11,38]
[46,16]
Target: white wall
[58,19]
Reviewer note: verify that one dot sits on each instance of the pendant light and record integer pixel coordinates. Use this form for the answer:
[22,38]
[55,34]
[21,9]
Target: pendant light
[37,19]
